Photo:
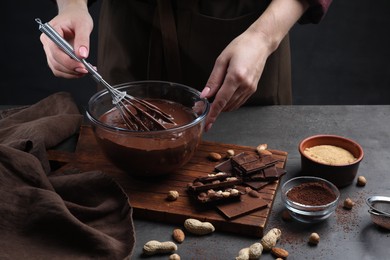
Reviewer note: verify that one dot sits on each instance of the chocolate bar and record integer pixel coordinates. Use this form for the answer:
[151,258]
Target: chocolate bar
[214,181]
[269,174]
[220,187]
[217,196]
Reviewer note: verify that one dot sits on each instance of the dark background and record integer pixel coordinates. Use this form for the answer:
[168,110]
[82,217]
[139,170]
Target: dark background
[342,60]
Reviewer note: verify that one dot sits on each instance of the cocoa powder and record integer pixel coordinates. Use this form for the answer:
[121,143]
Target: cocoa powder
[312,194]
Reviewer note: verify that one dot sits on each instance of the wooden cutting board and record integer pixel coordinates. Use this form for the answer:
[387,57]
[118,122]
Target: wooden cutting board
[148,199]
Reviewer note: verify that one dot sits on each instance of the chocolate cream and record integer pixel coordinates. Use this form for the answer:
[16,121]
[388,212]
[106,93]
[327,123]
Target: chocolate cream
[148,153]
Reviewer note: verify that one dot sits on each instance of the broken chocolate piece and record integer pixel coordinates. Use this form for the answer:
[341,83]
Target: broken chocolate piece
[246,164]
[216,181]
[268,174]
[244,206]
[243,158]
[257,185]
[273,173]
[225,166]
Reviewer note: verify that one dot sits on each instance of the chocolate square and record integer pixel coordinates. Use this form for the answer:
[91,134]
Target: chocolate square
[244,206]
[225,166]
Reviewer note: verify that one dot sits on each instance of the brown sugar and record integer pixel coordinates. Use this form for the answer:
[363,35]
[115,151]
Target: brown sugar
[312,194]
[330,154]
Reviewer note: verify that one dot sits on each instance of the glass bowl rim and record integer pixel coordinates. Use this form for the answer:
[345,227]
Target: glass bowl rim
[103,92]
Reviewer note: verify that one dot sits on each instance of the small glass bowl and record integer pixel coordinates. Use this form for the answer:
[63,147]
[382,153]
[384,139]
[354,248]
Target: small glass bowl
[309,213]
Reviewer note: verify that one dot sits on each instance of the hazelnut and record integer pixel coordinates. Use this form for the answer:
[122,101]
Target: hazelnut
[348,203]
[229,153]
[286,216]
[261,147]
[172,195]
[361,181]
[314,239]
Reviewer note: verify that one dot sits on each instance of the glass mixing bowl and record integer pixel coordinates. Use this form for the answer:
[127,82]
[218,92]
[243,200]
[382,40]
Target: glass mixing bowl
[150,153]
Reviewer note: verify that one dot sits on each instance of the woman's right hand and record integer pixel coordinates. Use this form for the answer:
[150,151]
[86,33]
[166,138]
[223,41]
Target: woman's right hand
[74,24]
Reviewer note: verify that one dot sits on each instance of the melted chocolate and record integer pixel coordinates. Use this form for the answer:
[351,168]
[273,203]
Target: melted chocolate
[146,153]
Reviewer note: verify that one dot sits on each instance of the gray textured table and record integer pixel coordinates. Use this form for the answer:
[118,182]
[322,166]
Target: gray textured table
[347,234]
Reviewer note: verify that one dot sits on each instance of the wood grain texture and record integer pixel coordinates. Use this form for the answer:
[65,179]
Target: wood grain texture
[148,197]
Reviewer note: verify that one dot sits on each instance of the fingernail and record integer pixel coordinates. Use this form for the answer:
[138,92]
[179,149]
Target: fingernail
[83,52]
[205,91]
[81,70]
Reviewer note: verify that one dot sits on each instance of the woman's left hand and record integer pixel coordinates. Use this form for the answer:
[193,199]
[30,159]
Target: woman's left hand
[236,74]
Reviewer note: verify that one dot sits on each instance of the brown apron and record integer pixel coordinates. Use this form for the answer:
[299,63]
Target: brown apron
[179,41]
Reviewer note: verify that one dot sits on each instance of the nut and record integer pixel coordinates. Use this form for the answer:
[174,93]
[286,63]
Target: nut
[264,152]
[261,147]
[269,240]
[286,216]
[255,251]
[155,247]
[197,227]
[279,252]
[254,194]
[243,254]
[252,252]
[172,195]
[178,235]
[361,181]
[174,257]
[348,203]
[229,153]
[214,156]
[314,239]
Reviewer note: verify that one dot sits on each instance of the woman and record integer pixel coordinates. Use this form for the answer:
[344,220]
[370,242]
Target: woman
[235,52]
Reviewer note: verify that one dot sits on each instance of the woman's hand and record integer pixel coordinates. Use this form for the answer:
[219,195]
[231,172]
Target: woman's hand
[74,24]
[236,73]
[238,68]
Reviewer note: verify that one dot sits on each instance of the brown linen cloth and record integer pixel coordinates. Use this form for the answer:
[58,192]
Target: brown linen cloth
[55,216]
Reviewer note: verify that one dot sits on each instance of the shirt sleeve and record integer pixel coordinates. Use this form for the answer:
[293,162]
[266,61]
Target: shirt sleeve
[316,11]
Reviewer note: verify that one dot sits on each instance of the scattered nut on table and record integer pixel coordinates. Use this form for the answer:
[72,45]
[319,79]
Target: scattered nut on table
[172,195]
[348,203]
[264,152]
[254,194]
[279,252]
[314,239]
[269,240]
[197,227]
[174,257]
[252,252]
[361,181]
[214,156]
[229,153]
[286,216]
[155,247]
[178,235]
[261,147]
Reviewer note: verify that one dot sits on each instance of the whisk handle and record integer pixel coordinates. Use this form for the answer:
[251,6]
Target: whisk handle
[67,48]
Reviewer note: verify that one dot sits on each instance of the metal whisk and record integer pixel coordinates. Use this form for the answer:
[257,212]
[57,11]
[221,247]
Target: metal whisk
[137,114]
